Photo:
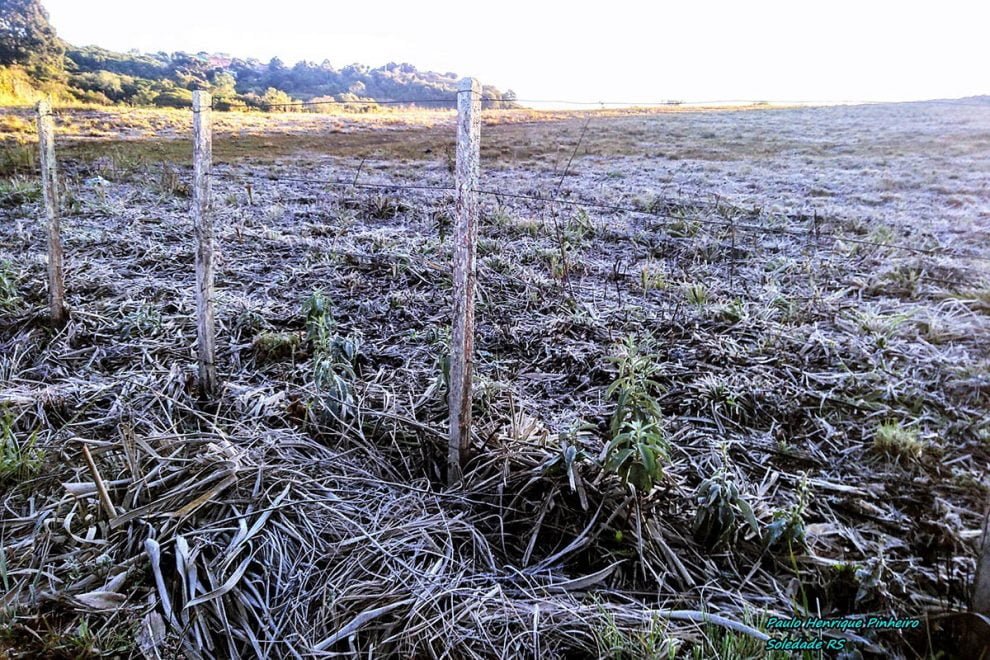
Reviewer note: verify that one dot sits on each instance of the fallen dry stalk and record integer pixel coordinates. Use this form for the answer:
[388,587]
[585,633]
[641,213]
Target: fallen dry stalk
[101,488]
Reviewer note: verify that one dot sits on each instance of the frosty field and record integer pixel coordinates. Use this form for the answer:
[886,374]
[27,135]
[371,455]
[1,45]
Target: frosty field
[803,292]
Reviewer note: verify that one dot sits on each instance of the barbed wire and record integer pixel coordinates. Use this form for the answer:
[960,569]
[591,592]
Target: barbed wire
[814,233]
[628,104]
[751,102]
[333,182]
[519,104]
[729,224]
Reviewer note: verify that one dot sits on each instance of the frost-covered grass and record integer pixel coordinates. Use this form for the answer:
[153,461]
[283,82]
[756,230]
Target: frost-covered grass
[777,352]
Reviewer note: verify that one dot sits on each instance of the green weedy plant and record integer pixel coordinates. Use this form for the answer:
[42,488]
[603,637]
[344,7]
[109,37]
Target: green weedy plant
[500,217]
[872,577]
[334,357]
[636,453]
[788,524]
[639,446]
[145,320]
[9,300]
[567,461]
[719,501]
[18,460]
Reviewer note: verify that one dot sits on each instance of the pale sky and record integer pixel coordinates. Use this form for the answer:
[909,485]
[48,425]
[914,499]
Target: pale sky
[692,50]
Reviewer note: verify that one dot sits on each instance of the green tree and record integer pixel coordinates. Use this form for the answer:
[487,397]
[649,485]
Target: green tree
[224,85]
[275,99]
[26,37]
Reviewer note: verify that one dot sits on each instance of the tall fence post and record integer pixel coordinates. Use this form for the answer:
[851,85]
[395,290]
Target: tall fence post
[49,187]
[203,222]
[465,239]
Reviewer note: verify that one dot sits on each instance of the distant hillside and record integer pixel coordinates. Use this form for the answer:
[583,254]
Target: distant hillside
[35,61]
[167,79]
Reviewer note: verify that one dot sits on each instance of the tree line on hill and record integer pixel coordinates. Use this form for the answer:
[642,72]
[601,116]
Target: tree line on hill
[34,60]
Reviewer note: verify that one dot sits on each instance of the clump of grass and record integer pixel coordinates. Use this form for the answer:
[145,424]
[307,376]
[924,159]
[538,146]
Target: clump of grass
[679,225]
[697,294]
[732,312]
[16,191]
[169,182]
[715,392]
[442,221]
[119,164]
[528,226]
[9,298]
[718,642]
[499,263]
[882,327]
[274,346]
[384,207]
[488,246]
[17,159]
[144,321]
[652,641]
[649,203]
[559,262]
[977,299]
[85,640]
[18,459]
[16,125]
[652,276]
[786,309]
[499,217]
[881,234]
[579,228]
[894,440]
[902,279]
[683,228]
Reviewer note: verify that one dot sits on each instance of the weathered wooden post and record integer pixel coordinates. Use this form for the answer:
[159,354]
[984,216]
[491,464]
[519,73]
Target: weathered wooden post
[49,187]
[203,221]
[465,274]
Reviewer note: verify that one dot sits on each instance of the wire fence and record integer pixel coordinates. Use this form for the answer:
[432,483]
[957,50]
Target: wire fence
[524,104]
[714,210]
[730,223]
[658,212]
[819,242]
[508,103]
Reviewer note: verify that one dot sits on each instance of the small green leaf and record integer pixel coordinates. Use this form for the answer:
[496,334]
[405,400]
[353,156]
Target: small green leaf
[748,514]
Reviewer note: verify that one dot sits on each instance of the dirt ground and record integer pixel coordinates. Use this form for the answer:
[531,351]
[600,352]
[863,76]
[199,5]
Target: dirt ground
[810,287]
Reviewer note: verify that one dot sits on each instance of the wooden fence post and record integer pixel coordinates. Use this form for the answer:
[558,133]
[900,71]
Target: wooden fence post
[465,274]
[49,187]
[203,222]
